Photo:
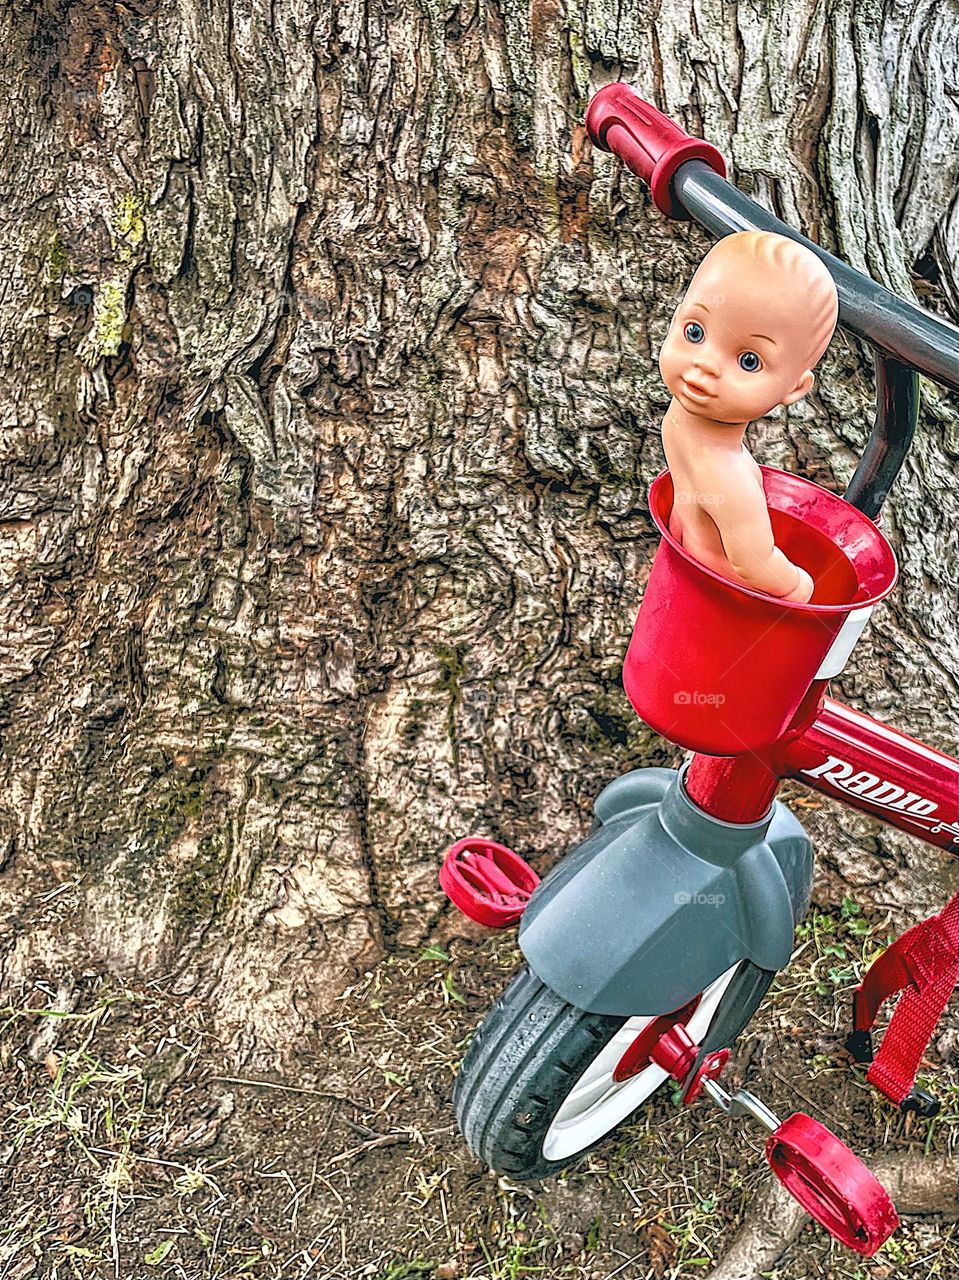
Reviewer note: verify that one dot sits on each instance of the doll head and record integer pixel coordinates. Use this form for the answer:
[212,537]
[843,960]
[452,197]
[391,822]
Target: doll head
[755,320]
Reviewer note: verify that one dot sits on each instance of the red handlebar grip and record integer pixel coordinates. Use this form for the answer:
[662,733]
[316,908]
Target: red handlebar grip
[647,142]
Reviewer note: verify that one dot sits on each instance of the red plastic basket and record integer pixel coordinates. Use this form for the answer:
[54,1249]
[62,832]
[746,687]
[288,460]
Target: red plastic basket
[720,668]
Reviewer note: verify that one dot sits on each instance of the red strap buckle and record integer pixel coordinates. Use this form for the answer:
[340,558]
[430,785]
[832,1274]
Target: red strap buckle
[488,882]
[923,964]
[831,1183]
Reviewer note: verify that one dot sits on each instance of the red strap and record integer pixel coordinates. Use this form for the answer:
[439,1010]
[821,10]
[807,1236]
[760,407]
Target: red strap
[924,965]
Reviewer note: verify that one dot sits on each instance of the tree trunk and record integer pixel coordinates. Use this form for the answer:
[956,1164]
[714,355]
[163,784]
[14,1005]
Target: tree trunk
[329,407]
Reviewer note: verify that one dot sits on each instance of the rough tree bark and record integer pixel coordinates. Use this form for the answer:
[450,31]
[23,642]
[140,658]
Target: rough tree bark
[329,403]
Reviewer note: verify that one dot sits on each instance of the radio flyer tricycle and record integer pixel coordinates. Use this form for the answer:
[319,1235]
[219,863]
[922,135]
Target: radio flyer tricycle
[649,947]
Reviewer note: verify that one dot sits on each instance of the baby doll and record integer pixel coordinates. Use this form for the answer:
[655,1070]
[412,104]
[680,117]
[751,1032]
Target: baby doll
[755,320]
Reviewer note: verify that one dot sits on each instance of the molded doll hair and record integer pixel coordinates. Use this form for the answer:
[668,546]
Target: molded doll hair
[780,254]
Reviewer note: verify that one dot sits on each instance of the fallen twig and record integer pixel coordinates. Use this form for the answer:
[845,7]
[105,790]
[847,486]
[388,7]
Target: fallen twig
[292,1088]
[385,1140]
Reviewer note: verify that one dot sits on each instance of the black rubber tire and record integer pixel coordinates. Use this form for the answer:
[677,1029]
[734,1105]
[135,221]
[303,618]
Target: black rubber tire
[531,1049]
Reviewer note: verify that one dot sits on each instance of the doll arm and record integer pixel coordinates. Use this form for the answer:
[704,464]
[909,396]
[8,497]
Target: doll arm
[742,518]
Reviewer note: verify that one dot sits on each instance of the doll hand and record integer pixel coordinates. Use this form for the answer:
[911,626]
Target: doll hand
[803,588]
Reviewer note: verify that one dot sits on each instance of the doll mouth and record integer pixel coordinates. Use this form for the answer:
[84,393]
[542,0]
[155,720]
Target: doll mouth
[695,391]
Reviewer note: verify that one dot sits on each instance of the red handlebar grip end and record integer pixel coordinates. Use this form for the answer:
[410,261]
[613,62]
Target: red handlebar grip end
[649,143]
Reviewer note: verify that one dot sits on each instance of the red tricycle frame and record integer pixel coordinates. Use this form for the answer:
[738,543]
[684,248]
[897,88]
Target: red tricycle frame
[845,754]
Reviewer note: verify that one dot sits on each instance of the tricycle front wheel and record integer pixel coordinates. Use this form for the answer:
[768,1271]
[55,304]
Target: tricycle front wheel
[536,1087]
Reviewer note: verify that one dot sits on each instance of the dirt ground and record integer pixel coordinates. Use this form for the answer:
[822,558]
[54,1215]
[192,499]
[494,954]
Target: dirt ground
[131,1146]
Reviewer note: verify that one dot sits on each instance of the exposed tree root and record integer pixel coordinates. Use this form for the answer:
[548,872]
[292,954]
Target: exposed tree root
[918,1185]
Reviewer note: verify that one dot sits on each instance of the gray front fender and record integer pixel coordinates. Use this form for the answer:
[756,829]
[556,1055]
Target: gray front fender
[661,899]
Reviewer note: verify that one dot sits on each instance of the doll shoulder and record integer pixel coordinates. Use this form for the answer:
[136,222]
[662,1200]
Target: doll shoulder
[738,482]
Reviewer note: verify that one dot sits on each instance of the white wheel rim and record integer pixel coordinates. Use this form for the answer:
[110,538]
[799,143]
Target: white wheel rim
[597,1103]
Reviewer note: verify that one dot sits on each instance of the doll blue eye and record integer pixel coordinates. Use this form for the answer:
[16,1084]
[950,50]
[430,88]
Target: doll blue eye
[694,332]
[750,362]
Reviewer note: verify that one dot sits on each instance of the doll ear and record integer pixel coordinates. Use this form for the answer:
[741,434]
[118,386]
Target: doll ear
[802,388]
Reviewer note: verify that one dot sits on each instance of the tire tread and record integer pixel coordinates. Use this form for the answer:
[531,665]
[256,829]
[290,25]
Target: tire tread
[531,1045]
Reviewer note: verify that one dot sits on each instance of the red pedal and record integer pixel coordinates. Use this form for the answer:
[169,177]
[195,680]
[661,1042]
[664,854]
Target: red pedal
[488,882]
[816,1168]
[831,1183]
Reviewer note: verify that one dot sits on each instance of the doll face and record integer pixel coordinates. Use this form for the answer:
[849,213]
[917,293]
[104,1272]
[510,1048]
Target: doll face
[737,346]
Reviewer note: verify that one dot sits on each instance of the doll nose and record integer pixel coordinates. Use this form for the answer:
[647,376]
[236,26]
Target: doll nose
[705,365]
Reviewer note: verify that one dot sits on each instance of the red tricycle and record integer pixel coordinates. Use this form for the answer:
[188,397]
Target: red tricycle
[650,946]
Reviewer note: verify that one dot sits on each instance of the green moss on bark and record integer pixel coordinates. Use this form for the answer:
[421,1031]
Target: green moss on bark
[452,668]
[111,318]
[415,722]
[197,891]
[58,260]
